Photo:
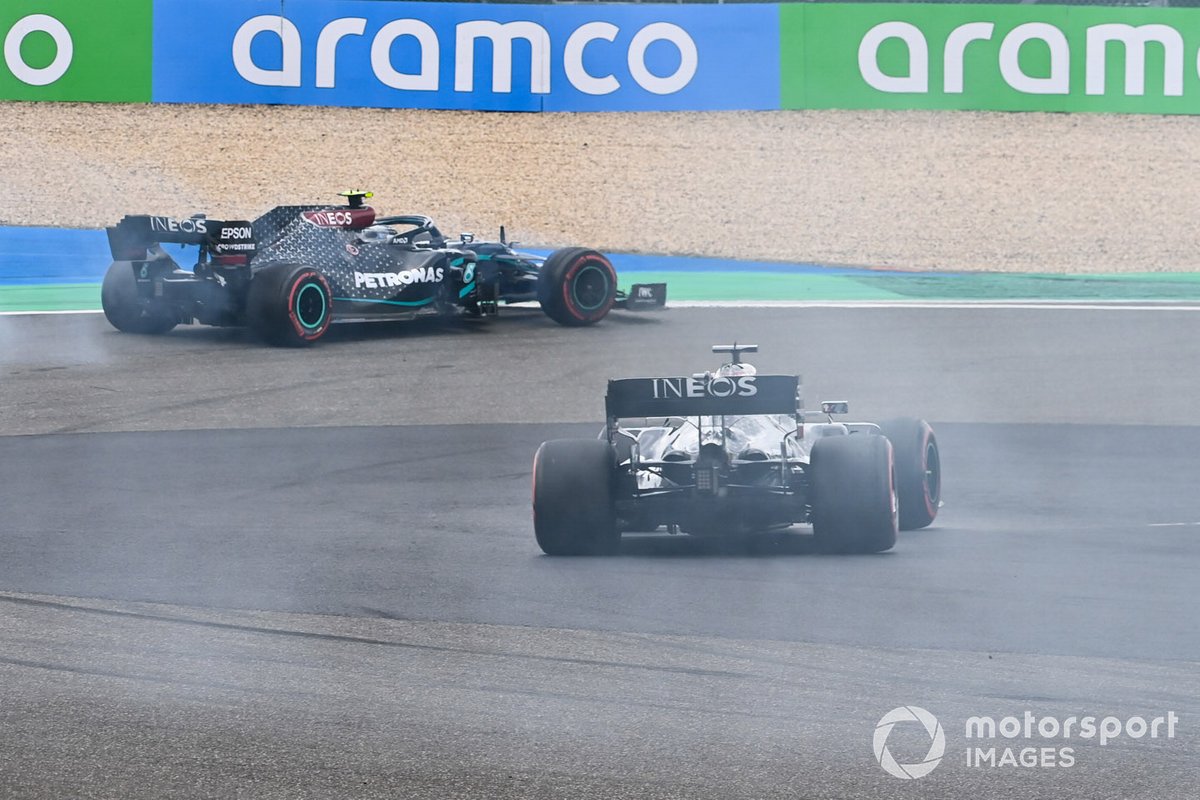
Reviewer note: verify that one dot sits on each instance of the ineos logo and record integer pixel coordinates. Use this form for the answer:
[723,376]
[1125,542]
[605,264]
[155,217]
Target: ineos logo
[666,388]
[329,219]
[168,225]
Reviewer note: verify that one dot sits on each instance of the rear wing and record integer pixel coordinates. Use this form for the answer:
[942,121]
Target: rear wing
[703,395]
[132,236]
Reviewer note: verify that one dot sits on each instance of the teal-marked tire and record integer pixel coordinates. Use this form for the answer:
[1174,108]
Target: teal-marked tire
[289,305]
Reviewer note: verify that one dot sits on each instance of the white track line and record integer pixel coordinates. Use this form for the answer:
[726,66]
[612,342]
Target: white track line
[983,305]
[1083,305]
[40,313]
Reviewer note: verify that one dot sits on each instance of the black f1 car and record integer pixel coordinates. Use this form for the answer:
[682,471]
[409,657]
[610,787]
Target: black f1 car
[295,270]
[730,452]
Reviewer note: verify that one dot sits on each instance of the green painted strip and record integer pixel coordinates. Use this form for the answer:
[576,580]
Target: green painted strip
[1146,277]
[51,297]
[994,286]
[761,286]
[923,286]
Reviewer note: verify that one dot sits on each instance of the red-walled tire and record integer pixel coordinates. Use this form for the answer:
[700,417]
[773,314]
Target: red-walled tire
[918,470]
[289,305]
[577,286]
[853,494]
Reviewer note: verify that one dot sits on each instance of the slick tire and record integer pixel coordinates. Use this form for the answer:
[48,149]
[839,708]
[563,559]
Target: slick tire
[125,310]
[918,470]
[573,510]
[289,305]
[853,494]
[577,286]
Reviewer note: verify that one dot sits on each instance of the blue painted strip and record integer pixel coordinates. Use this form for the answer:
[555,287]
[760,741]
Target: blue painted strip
[424,302]
[36,256]
[32,256]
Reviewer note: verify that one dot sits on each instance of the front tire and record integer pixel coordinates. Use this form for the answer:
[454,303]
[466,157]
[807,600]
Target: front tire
[126,310]
[918,470]
[577,286]
[289,305]
[853,494]
[573,510]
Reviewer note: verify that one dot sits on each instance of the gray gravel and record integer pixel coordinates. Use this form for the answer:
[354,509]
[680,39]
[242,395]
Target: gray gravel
[929,190]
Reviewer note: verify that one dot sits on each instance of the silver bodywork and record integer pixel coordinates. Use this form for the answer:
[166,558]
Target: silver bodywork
[764,439]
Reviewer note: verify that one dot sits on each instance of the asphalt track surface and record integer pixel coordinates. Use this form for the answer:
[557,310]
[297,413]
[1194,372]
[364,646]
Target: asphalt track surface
[230,570]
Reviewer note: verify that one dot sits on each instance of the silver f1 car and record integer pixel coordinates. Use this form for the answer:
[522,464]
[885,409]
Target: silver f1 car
[731,452]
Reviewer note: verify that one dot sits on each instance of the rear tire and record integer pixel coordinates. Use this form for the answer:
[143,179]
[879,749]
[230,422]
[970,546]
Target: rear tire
[289,305]
[918,470]
[126,310]
[854,496]
[573,510]
[577,286]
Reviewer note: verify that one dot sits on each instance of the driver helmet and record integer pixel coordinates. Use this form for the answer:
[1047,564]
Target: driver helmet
[376,233]
[735,370]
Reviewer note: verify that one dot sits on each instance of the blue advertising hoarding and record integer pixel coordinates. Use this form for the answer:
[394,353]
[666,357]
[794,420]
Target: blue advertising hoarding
[466,56]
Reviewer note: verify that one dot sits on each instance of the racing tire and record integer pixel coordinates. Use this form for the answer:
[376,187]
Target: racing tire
[573,489]
[854,502]
[289,305]
[577,286]
[918,470]
[125,310]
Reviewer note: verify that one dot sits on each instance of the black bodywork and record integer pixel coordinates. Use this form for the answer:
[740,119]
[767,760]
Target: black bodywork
[373,268]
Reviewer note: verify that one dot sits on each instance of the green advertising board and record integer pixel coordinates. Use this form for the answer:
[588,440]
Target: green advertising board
[75,50]
[990,57]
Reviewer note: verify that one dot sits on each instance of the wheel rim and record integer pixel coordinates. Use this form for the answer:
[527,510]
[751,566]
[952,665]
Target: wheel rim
[310,306]
[933,474]
[590,288]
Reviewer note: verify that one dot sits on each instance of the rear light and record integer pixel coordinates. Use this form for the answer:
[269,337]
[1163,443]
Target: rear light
[240,260]
[706,479]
